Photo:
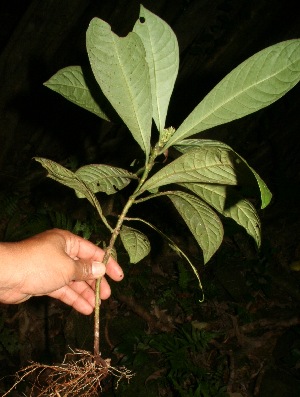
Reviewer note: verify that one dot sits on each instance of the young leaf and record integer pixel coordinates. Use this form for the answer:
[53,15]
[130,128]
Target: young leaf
[162,55]
[240,210]
[104,178]
[202,221]
[253,85]
[70,83]
[136,243]
[190,144]
[206,165]
[120,68]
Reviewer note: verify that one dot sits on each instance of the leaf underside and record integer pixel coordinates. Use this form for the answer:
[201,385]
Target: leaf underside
[104,178]
[89,179]
[187,145]
[162,55]
[120,68]
[253,85]
[70,83]
[206,165]
[202,221]
[136,243]
[62,175]
[240,210]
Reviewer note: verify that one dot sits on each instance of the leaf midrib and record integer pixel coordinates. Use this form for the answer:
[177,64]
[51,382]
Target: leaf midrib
[207,115]
[128,86]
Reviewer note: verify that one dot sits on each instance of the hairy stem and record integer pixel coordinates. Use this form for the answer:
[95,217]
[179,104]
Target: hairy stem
[114,235]
[97,318]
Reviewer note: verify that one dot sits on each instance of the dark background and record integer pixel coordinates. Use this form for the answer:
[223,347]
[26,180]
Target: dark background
[37,38]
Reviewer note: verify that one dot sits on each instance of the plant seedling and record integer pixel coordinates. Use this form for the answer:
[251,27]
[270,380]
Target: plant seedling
[135,75]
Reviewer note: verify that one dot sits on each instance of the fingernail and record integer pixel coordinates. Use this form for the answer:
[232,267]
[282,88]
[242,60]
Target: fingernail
[98,269]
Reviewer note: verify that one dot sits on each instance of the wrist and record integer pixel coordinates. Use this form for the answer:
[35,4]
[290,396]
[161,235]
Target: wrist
[10,275]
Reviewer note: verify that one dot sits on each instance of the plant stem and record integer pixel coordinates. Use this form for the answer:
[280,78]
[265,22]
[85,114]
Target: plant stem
[97,318]
[114,235]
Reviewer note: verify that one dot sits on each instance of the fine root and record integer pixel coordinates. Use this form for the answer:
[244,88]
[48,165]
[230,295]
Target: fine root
[80,374]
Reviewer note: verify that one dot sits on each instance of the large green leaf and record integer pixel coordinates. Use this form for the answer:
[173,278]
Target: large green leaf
[136,243]
[120,68]
[162,54]
[254,84]
[104,178]
[190,144]
[202,221]
[206,165]
[240,210]
[70,83]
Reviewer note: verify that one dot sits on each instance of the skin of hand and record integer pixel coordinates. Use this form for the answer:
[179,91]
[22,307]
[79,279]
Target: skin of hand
[56,263]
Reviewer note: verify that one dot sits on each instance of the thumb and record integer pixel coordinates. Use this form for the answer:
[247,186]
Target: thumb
[88,270]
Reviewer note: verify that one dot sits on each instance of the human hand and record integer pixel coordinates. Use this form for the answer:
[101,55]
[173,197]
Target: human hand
[56,263]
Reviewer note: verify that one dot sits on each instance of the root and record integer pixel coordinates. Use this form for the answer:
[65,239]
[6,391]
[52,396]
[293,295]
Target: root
[80,374]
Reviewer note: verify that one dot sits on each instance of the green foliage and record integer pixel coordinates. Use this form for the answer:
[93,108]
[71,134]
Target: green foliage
[17,223]
[71,84]
[162,56]
[182,355]
[135,242]
[135,76]
[8,340]
[8,204]
[253,85]
[120,68]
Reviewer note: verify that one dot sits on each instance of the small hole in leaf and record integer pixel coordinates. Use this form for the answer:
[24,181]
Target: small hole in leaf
[142,20]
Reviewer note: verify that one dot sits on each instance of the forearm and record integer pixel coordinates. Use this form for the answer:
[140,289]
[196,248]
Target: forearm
[10,275]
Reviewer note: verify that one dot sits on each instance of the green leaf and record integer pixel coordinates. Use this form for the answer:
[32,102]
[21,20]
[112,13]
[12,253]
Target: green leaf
[120,68]
[229,205]
[70,179]
[62,175]
[207,165]
[70,83]
[186,145]
[174,247]
[162,55]
[190,144]
[104,178]
[136,243]
[202,221]
[253,85]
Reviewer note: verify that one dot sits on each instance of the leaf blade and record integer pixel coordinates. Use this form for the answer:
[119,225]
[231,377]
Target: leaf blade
[253,85]
[69,179]
[240,210]
[61,174]
[207,165]
[104,178]
[190,144]
[70,83]
[121,70]
[202,221]
[135,242]
[162,55]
